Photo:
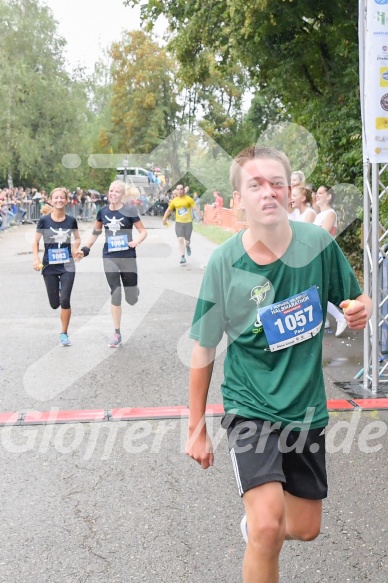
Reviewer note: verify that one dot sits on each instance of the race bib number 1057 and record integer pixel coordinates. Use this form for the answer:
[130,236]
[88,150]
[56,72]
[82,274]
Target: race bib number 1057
[293,320]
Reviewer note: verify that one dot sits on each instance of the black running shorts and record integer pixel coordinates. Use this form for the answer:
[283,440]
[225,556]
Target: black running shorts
[263,453]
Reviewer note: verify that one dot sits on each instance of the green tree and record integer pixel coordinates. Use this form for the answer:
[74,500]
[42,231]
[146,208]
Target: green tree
[144,105]
[301,55]
[43,109]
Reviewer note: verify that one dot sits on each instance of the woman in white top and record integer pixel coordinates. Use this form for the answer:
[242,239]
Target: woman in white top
[300,200]
[327,219]
[297,179]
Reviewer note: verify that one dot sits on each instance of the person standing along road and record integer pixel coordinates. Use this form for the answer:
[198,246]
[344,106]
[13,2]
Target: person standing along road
[300,199]
[58,267]
[197,211]
[218,200]
[119,251]
[327,219]
[183,206]
[297,179]
[260,287]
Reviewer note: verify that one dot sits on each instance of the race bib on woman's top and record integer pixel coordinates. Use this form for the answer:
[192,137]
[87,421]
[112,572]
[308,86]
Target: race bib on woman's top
[56,256]
[118,243]
[293,320]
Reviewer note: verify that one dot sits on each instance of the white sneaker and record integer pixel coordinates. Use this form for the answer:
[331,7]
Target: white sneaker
[327,324]
[244,528]
[341,327]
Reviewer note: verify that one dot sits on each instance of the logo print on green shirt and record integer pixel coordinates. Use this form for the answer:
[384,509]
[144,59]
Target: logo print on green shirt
[258,295]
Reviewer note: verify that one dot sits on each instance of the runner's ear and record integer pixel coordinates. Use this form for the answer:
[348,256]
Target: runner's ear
[237,200]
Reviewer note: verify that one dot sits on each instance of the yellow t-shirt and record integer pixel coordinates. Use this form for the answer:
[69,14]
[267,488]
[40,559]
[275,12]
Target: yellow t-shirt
[182,206]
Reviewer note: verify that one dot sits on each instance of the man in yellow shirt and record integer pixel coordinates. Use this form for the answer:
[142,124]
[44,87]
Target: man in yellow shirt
[182,205]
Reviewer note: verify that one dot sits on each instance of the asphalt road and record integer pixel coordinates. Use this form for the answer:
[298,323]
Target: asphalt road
[119,501]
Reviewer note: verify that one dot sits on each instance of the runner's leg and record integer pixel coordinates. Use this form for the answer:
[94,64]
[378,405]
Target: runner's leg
[265,510]
[66,285]
[303,518]
[128,273]
[52,287]
[112,274]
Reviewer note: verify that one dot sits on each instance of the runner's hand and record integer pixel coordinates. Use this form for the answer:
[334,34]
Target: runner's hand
[199,447]
[355,314]
[79,255]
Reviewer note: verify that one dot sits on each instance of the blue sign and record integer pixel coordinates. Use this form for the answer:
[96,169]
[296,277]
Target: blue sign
[56,256]
[292,320]
[118,243]
[381,1]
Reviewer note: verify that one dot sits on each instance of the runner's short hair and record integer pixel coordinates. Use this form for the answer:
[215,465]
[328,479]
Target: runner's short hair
[253,153]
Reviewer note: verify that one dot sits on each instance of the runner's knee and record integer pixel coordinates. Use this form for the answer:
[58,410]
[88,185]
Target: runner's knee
[131,295]
[304,532]
[267,535]
[54,303]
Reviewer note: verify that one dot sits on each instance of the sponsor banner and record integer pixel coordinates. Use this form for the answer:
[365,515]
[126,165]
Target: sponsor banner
[376,81]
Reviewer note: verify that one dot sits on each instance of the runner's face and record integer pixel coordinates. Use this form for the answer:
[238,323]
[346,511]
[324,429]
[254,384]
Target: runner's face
[180,190]
[59,199]
[264,193]
[115,193]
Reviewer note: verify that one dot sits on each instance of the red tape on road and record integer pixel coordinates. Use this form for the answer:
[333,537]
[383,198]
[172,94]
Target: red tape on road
[136,413]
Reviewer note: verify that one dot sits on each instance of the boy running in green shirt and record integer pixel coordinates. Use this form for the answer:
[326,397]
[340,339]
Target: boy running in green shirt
[267,288]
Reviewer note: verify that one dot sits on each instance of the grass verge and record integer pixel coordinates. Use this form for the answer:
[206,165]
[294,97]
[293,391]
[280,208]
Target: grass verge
[213,233]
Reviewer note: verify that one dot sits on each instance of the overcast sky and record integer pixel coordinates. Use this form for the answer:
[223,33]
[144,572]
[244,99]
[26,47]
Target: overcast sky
[89,26]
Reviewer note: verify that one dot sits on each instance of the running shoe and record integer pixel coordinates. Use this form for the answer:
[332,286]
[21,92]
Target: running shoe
[341,327]
[327,324]
[188,250]
[183,260]
[116,341]
[244,528]
[64,339]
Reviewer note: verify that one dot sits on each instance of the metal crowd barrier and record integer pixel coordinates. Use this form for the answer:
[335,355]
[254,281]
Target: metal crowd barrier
[5,218]
[29,212]
[82,212]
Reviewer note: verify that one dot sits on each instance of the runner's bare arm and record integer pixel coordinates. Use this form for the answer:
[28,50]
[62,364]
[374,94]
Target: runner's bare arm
[35,251]
[166,215]
[76,244]
[198,444]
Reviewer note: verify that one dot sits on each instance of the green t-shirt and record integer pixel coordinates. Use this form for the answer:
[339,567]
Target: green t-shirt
[284,385]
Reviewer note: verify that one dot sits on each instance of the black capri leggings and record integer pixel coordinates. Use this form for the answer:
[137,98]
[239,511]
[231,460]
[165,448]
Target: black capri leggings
[122,269]
[59,286]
